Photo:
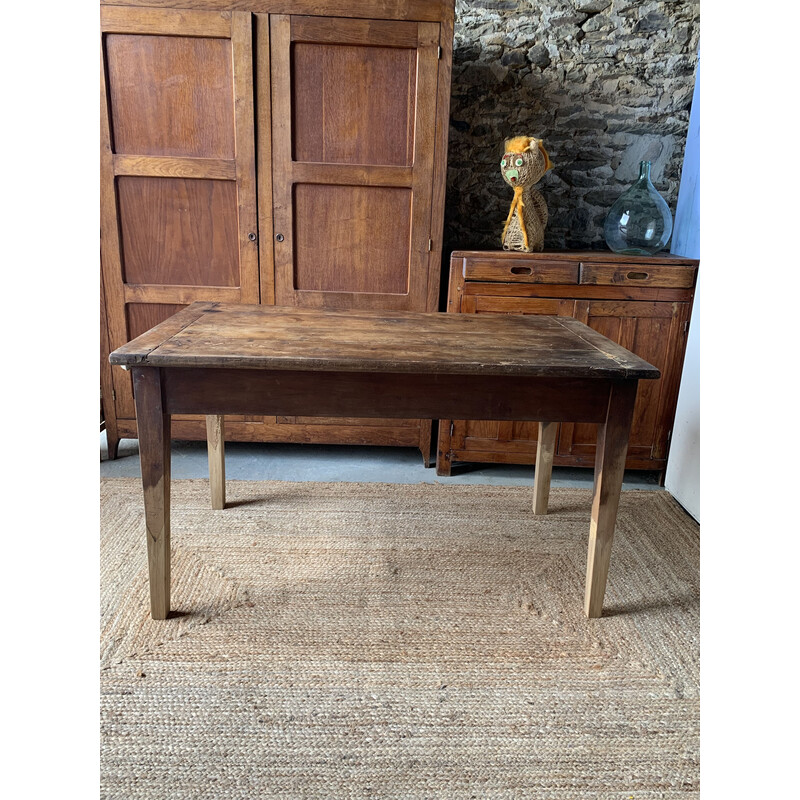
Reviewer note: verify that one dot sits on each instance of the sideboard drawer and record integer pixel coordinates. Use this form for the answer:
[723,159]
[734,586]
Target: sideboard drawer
[551,306]
[522,270]
[657,275]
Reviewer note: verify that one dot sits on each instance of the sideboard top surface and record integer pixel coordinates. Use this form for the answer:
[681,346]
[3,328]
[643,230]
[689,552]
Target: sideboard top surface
[595,256]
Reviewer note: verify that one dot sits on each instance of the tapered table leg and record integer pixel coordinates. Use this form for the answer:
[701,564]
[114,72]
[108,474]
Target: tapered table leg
[609,468]
[545,449]
[215,433]
[154,455]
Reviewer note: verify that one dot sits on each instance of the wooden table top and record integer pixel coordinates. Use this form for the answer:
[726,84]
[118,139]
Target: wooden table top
[226,335]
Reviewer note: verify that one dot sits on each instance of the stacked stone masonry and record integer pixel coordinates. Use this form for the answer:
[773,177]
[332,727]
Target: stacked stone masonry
[605,83]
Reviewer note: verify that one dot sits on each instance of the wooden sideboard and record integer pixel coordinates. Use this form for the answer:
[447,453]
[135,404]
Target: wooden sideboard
[642,303]
[288,152]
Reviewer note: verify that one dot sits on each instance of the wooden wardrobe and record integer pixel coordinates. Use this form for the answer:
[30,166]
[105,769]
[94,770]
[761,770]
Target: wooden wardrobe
[260,151]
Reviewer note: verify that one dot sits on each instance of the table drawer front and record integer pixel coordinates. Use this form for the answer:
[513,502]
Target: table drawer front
[521,270]
[655,275]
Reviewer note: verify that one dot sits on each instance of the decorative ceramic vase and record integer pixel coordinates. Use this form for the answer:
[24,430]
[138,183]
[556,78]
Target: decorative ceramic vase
[639,223]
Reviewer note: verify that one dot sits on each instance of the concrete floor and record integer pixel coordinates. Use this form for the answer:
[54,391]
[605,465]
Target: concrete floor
[306,462]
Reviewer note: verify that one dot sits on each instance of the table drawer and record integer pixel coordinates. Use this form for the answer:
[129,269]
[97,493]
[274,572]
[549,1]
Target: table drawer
[656,275]
[521,270]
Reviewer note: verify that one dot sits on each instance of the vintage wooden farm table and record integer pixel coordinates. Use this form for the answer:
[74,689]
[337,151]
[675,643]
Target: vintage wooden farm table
[220,358]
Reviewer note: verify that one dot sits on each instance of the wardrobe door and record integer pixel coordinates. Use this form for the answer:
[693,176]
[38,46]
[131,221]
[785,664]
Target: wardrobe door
[353,124]
[178,204]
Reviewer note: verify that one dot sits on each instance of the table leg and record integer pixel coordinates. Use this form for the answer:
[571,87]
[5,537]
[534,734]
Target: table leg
[609,468]
[545,449]
[426,441]
[154,455]
[215,432]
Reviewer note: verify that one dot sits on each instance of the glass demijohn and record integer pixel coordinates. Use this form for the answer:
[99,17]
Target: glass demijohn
[640,222]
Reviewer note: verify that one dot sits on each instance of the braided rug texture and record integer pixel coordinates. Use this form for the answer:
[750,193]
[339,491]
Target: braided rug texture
[398,641]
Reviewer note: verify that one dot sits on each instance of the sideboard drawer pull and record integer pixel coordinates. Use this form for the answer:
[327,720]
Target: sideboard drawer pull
[521,270]
[638,276]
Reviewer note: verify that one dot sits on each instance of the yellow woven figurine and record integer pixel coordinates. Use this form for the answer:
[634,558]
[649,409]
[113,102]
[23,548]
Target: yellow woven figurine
[523,165]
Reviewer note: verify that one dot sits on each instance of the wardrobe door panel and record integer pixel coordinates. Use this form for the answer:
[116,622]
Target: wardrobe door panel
[353,126]
[338,89]
[190,114]
[143,316]
[179,232]
[337,226]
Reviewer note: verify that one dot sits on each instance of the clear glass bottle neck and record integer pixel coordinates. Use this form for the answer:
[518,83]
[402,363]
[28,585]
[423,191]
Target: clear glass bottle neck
[644,170]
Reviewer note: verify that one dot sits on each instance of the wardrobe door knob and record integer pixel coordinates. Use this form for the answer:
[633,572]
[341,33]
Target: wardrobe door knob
[252,237]
[279,237]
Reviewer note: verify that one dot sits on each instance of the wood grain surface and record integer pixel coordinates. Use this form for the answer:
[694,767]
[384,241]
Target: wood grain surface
[334,93]
[670,276]
[164,21]
[275,338]
[432,10]
[164,92]
[174,167]
[154,456]
[382,395]
[326,257]
[597,256]
[179,231]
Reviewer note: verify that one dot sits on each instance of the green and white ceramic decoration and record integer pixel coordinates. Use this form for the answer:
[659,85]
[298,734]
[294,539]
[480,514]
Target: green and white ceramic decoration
[640,222]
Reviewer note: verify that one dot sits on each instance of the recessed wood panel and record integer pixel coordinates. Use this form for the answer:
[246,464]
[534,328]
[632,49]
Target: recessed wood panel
[651,340]
[353,105]
[179,231]
[171,95]
[143,316]
[352,238]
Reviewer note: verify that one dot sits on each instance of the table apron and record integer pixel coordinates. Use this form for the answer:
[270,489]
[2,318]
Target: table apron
[383,395]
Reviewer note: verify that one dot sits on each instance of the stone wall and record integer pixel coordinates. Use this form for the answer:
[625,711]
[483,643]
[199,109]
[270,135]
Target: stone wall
[605,83]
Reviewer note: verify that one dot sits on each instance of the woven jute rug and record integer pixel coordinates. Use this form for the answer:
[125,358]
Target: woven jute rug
[392,641]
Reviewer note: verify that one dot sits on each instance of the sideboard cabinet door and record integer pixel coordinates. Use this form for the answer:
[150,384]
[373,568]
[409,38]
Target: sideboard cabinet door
[178,202]
[353,127]
[655,331]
